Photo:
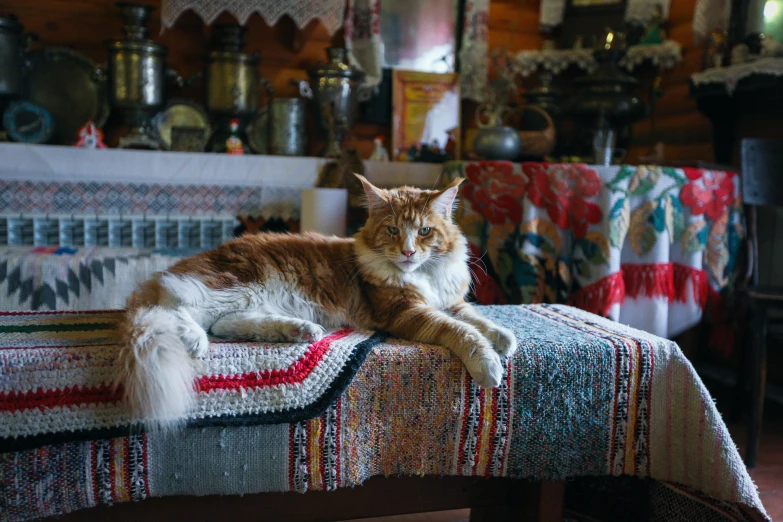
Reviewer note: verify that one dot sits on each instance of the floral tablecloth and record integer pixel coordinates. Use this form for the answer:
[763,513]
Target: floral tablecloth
[646,246]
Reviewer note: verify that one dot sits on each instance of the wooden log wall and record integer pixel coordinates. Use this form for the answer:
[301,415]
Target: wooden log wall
[286,53]
[513,25]
[686,133]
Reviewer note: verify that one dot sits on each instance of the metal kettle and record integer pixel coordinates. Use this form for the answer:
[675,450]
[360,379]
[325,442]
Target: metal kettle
[494,140]
[231,75]
[334,87]
[137,68]
[13,45]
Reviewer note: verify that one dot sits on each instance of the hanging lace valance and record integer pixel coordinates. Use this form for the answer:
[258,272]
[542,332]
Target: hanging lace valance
[665,55]
[330,13]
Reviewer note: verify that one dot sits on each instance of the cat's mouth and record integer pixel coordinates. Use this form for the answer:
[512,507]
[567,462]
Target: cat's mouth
[407,265]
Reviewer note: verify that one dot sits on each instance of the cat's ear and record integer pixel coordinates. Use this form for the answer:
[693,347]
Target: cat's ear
[376,198]
[443,202]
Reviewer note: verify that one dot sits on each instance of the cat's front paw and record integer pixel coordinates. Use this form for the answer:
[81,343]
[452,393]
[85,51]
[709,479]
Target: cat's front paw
[194,337]
[305,332]
[503,340]
[486,369]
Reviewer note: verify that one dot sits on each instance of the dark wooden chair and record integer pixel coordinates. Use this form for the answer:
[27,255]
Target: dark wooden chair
[762,186]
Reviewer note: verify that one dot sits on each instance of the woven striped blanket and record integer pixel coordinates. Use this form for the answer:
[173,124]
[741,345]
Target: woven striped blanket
[582,396]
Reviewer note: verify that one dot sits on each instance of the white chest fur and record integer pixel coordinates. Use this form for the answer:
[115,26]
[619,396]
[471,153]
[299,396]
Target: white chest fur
[443,285]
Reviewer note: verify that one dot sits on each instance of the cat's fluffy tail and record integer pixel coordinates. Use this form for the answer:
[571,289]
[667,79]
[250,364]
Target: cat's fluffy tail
[157,369]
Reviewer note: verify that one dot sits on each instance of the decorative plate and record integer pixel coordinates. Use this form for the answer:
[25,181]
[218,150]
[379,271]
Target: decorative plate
[71,87]
[180,113]
[27,122]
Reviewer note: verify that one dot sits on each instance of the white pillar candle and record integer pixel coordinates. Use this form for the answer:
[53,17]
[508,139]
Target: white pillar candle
[324,210]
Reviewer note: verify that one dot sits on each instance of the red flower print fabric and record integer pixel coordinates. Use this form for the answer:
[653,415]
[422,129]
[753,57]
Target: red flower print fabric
[563,191]
[708,192]
[495,191]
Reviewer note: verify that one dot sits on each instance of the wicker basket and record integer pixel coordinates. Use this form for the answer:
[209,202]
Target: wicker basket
[538,143]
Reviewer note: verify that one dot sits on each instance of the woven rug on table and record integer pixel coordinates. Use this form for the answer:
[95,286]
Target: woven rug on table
[582,397]
[57,369]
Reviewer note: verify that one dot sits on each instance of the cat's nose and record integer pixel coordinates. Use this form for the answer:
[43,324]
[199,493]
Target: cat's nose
[408,253]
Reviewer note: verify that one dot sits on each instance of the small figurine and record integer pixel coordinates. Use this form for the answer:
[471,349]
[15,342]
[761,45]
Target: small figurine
[379,151]
[579,42]
[715,51]
[413,152]
[90,137]
[234,143]
[451,144]
[654,33]
[436,147]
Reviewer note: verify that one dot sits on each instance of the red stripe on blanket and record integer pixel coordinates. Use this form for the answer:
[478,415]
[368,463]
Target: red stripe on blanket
[105,393]
[291,375]
[66,397]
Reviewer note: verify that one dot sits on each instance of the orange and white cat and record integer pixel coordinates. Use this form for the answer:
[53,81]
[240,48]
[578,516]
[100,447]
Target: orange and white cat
[405,272]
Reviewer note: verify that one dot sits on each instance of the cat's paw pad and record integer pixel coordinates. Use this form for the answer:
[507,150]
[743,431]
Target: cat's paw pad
[306,332]
[486,370]
[503,340]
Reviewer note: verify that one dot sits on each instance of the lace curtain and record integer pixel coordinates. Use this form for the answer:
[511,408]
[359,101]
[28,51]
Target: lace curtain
[329,12]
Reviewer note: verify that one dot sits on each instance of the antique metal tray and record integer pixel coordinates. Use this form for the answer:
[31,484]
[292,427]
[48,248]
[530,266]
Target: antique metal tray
[71,87]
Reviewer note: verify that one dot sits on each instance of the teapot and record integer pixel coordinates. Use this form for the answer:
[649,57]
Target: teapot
[494,140]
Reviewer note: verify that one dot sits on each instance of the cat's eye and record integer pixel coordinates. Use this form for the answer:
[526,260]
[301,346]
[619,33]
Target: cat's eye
[425,231]
[393,230]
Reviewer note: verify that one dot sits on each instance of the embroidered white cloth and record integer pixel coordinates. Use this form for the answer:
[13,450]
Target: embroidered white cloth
[527,62]
[552,11]
[730,76]
[665,55]
[328,12]
[474,55]
[363,39]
